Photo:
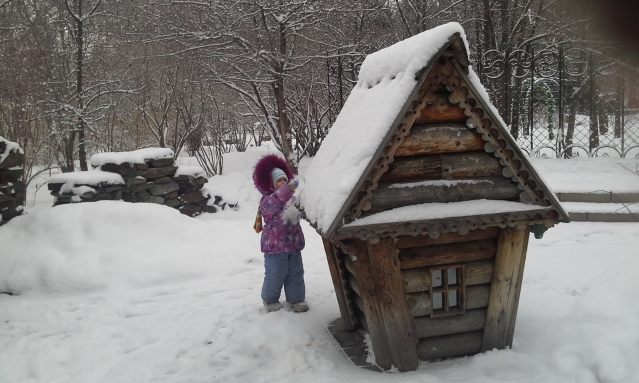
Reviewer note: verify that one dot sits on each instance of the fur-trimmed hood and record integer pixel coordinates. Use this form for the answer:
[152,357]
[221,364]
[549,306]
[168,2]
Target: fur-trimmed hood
[262,173]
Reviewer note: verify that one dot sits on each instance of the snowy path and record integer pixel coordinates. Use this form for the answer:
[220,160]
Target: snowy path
[149,295]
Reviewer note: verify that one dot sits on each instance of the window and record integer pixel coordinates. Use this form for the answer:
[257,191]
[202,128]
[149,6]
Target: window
[447,290]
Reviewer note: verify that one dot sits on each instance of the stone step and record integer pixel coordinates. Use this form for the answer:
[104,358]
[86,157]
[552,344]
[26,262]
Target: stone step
[602,212]
[599,197]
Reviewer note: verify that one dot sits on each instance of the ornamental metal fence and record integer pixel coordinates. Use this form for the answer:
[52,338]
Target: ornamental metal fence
[559,101]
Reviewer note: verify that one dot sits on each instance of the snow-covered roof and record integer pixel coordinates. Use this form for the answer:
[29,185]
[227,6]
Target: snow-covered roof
[135,157]
[386,80]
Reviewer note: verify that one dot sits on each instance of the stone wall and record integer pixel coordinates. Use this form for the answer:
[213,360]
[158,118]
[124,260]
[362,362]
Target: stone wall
[12,187]
[157,181]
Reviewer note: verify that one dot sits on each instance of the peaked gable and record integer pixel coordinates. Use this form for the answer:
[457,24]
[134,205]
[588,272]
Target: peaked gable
[389,80]
[480,129]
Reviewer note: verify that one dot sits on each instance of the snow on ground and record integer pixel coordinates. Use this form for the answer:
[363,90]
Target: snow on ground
[590,175]
[117,292]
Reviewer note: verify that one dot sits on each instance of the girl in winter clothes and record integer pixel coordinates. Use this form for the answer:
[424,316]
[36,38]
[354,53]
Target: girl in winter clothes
[282,238]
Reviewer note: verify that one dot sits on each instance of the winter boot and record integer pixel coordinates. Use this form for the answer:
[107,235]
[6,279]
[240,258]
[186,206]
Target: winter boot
[300,307]
[274,306]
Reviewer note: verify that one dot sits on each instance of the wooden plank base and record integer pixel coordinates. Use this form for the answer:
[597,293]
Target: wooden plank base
[428,327]
[353,344]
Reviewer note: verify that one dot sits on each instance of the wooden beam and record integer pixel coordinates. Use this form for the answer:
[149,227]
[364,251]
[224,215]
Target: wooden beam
[427,327]
[467,343]
[411,168]
[390,196]
[440,138]
[503,291]
[448,253]
[479,272]
[374,319]
[406,242]
[442,166]
[520,276]
[417,280]
[393,307]
[339,284]
[476,297]
[470,164]
[440,110]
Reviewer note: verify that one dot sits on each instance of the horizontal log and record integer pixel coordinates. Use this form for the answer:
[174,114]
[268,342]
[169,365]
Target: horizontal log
[479,272]
[476,297]
[470,164]
[472,320]
[411,168]
[406,242]
[416,280]
[447,346]
[440,110]
[387,197]
[447,254]
[419,303]
[442,166]
[440,138]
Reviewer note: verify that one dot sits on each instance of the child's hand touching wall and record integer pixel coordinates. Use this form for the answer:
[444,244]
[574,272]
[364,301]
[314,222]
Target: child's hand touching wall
[293,184]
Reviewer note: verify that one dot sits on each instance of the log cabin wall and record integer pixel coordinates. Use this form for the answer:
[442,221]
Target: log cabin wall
[454,335]
[440,147]
[490,298]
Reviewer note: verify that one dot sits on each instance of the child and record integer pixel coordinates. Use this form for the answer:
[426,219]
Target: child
[282,238]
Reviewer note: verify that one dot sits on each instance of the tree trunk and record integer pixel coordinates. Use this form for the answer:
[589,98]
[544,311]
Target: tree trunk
[283,122]
[80,62]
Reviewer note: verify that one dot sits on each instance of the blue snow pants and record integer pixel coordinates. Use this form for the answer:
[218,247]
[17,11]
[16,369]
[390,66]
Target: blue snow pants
[283,269]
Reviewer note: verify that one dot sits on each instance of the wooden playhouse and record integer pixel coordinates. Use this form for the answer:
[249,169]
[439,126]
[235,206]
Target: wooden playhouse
[425,204]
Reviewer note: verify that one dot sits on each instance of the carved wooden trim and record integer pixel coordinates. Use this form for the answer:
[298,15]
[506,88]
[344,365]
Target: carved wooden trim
[496,142]
[425,94]
[461,225]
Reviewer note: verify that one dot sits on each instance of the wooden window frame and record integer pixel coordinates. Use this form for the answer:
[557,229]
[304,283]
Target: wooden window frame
[445,288]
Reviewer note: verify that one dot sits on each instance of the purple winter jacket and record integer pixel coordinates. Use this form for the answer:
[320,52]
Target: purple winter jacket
[281,231]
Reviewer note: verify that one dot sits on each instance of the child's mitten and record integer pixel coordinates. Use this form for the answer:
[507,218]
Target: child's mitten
[293,184]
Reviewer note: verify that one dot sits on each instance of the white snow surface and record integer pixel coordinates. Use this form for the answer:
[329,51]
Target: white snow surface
[386,80]
[190,170]
[438,210]
[435,183]
[116,292]
[590,175]
[588,207]
[91,177]
[135,157]
[10,147]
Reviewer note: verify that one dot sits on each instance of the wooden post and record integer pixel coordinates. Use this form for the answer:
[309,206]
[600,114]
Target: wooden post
[339,283]
[504,290]
[367,286]
[520,277]
[392,304]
